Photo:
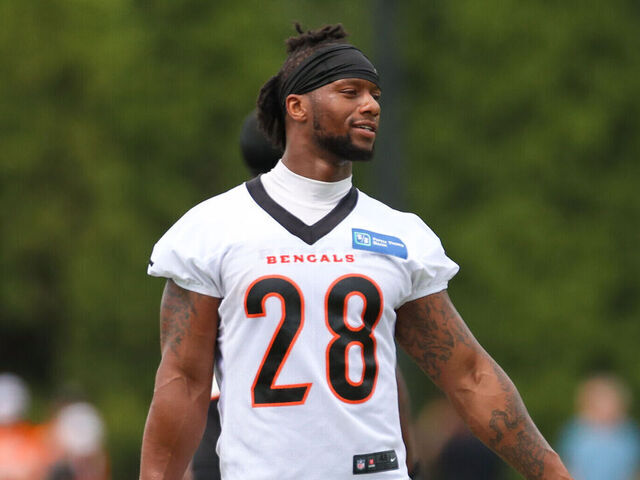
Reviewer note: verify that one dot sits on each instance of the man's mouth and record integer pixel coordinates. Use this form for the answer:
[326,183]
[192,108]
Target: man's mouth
[367,126]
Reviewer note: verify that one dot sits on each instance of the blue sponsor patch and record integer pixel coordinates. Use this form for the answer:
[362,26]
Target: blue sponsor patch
[377,242]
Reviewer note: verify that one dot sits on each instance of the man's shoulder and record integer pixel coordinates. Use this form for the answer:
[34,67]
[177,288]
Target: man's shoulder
[220,206]
[229,197]
[384,212]
[406,224]
[212,216]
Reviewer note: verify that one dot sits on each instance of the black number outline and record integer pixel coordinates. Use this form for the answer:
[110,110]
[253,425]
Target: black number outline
[264,391]
[336,314]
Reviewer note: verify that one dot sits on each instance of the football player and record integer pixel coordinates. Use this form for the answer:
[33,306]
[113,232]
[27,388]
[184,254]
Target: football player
[299,283]
[260,157]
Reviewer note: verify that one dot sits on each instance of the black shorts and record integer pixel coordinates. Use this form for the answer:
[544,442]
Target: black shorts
[206,464]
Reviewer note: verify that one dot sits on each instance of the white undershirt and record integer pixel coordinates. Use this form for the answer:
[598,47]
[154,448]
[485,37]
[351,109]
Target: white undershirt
[305,198]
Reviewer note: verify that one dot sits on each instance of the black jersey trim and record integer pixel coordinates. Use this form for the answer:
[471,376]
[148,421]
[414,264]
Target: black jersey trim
[309,234]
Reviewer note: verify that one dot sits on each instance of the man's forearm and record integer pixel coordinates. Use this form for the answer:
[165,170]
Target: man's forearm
[495,412]
[432,332]
[174,427]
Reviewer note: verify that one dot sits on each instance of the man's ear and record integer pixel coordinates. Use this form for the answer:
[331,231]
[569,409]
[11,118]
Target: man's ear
[297,106]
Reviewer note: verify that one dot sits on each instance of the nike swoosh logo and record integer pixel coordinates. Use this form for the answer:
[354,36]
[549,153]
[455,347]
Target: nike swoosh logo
[392,459]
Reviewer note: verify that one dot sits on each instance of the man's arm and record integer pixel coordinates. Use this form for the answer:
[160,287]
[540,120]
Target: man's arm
[176,420]
[432,332]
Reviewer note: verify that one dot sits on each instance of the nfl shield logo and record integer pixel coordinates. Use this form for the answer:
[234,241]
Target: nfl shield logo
[360,464]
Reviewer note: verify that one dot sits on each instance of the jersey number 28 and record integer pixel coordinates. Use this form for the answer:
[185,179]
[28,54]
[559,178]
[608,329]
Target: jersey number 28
[264,391]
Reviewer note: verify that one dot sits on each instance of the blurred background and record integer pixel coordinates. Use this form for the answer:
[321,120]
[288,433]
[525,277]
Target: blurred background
[511,127]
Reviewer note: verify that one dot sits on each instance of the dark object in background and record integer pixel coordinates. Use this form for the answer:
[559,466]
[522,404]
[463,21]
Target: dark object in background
[258,153]
[464,457]
[61,471]
[206,464]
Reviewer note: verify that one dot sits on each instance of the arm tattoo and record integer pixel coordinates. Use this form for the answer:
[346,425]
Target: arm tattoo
[430,331]
[527,451]
[175,316]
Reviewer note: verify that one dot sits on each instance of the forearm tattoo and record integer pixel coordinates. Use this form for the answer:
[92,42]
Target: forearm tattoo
[527,450]
[429,334]
[430,330]
[175,316]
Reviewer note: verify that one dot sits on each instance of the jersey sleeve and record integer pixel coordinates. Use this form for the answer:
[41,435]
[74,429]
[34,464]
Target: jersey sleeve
[431,269]
[187,255]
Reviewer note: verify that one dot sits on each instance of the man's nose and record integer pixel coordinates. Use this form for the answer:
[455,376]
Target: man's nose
[370,105]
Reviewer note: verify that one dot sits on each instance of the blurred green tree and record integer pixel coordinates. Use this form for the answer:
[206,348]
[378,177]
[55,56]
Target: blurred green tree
[523,148]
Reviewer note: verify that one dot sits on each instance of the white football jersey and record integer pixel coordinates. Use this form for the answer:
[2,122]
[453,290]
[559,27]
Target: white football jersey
[305,356]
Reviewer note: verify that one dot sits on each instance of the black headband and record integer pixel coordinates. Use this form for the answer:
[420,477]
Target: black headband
[328,65]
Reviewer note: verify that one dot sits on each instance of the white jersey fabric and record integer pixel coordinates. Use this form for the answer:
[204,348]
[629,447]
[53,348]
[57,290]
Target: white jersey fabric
[305,355]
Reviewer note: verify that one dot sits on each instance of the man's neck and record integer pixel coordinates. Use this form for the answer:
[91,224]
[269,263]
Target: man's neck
[307,199]
[307,162]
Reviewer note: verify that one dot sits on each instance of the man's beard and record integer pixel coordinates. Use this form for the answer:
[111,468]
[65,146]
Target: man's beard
[340,145]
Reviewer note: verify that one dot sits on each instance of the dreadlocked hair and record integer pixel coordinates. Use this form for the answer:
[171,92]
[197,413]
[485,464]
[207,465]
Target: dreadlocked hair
[270,112]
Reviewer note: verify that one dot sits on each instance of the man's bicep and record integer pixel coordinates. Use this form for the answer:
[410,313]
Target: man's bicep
[188,326]
[432,332]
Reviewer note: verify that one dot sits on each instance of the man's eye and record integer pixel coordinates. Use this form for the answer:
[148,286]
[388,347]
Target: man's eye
[349,91]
